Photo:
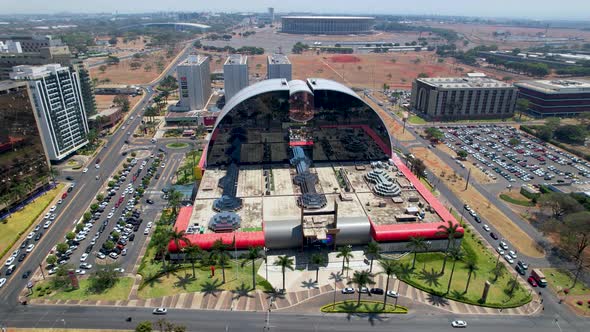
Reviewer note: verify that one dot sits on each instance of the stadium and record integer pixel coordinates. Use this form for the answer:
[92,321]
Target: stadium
[327,25]
[298,164]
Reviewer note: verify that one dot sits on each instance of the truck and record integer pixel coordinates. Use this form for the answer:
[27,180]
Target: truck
[539,277]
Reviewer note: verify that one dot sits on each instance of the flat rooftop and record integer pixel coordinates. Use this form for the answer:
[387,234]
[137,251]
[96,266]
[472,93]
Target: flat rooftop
[7,85]
[193,59]
[556,86]
[236,59]
[464,82]
[332,17]
[280,59]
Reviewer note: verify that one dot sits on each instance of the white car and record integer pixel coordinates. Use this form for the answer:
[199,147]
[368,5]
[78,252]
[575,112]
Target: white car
[508,259]
[31,235]
[52,271]
[163,165]
[512,254]
[10,260]
[30,247]
[146,231]
[348,290]
[2,282]
[47,224]
[114,255]
[503,245]
[53,208]
[47,215]
[160,311]
[97,166]
[391,293]
[100,255]
[486,228]
[83,257]
[119,269]
[500,251]
[459,323]
[85,170]
[60,201]
[363,290]
[124,251]
[86,266]
[80,272]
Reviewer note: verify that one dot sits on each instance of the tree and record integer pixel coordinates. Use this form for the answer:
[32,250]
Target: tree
[79,227]
[522,105]
[575,239]
[108,245]
[514,141]
[62,247]
[471,267]
[102,279]
[102,68]
[423,75]
[361,279]
[87,216]
[145,326]
[512,285]
[560,204]
[219,252]
[344,252]
[70,236]
[123,102]
[51,259]
[372,251]
[498,270]
[99,197]
[388,267]
[150,112]
[419,168]
[416,243]
[177,236]
[456,255]
[317,260]
[252,255]
[193,252]
[552,122]
[574,134]
[462,154]
[285,263]
[450,231]
[174,199]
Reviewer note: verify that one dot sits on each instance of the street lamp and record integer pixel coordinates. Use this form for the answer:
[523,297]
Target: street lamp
[266,250]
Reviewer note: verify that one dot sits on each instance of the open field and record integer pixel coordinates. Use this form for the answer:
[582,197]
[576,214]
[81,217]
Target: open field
[20,221]
[118,292]
[105,101]
[122,73]
[476,173]
[492,214]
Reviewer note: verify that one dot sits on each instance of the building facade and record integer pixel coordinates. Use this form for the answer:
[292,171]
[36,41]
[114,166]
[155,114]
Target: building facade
[194,82]
[328,25]
[454,98]
[10,46]
[556,98]
[278,66]
[58,104]
[235,75]
[24,166]
[33,43]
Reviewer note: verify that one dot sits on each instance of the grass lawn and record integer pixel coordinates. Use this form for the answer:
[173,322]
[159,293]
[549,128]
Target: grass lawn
[521,202]
[425,276]
[364,307]
[559,279]
[182,280]
[414,119]
[427,184]
[118,292]
[176,145]
[20,221]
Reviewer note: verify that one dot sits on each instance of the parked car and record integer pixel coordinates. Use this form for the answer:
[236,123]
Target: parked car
[393,294]
[493,236]
[532,281]
[376,291]
[459,324]
[348,290]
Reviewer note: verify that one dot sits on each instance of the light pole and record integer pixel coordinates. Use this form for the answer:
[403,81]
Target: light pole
[266,261]
[336,277]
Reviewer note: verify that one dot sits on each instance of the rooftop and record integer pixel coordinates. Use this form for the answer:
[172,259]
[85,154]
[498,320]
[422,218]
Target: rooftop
[557,86]
[193,59]
[464,82]
[6,85]
[332,17]
[34,72]
[106,112]
[236,59]
[280,59]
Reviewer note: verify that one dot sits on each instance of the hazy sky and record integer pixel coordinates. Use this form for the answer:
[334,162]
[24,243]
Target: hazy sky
[565,9]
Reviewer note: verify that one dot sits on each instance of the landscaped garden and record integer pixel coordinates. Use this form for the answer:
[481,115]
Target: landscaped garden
[48,290]
[365,307]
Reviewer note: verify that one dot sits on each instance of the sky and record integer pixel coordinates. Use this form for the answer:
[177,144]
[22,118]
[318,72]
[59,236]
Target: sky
[534,9]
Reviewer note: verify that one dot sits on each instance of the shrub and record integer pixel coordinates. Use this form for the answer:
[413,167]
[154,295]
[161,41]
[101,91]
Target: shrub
[566,291]
[580,302]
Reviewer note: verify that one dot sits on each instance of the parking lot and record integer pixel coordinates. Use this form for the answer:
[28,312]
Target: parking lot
[513,157]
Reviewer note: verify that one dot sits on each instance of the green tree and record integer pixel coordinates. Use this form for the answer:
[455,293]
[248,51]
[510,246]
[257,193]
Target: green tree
[514,141]
[560,204]
[174,199]
[62,247]
[252,255]
[344,252]
[372,251]
[102,279]
[450,231]
[361,279]
[123,102]
[498,270]
[102,68]
[419,168]
[575,239]
[512,285]
[108,245]
[87,216]
[317,260]
[462,154]
[100,197]
[70,236]
[51,259]
[471,267]
[417,243]
[456,255]
[79,227]
[219,252]
[193,253]
[389,268]
[285,263]
[145,326]
[574,134]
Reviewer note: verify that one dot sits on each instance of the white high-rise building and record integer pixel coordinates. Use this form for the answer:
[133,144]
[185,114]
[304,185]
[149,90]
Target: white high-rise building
[194,82]
[235,75]
[59,107]
[278,66]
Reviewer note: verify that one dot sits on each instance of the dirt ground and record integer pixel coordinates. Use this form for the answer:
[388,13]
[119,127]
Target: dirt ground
[105,101]
[394,128]
[476,173]
[122,73]
[509,230]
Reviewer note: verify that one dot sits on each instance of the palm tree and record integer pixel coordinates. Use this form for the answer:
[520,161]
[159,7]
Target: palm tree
[317,260]
[512,285]
[416,243]
[344,252]
[178,236]
[252,255]
[160,240]
[284,262]
[372,251]
[450,232]
[471,267]
[389,268]
[219,252]
[174,199]
[498,270]
[456,254]
[361,279]
[193,252]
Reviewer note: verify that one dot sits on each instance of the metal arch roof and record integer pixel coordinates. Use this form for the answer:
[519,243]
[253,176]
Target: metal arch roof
[324,84]
[298,86]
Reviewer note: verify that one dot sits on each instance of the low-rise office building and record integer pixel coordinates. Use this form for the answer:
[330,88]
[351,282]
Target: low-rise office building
[556,98]
[278,66]
[454,98]
[328,25]
[235,75]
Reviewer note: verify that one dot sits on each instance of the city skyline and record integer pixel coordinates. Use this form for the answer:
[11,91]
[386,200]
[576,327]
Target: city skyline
[544,9]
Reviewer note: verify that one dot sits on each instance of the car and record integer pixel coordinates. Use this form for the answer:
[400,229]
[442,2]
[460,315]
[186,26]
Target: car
[493,236]
[22,257]
[38,236]
[27,274]
[83,257]
[119,269]
[163,165]
[30,247]
[114,255]
[132,236]
[52,271]
[508,259]
[532,281]
[377,291]
[86,266]
[520,270]
[149,201]
[347,290]
[47,224]
[9,261]
[37,228]
[100,255]
[69,178]
[503,245]
[459,323]
[80,272]
[523,265]
[393,294]
[53,208]
[10,269]
[24,244]
[160,311]
[124,252]
[146,231]
[60,201]
[500,250]
[363,290]
[85,170]
[512,254]
[477,219]
[31,235]
[2,282]
[97,166]
[486,228]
